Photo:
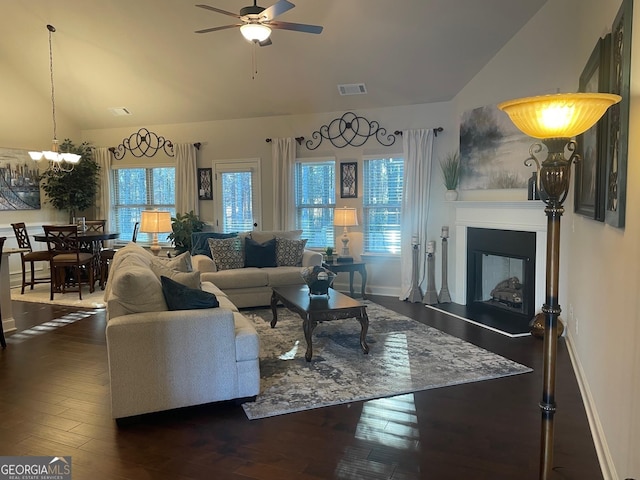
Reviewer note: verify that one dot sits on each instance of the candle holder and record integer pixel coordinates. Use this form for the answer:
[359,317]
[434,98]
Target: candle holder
[445,296]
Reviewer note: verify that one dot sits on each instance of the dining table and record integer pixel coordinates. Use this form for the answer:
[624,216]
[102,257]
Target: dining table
[91,241]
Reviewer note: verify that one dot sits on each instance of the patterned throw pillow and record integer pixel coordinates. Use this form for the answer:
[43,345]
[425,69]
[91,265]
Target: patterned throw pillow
[200,244]
[289,252]
[228,253]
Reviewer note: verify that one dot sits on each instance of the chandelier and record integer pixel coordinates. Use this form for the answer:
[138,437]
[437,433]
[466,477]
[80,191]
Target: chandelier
[58,161]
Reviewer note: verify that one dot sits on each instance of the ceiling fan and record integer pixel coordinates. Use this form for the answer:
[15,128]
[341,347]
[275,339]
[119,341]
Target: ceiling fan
[257,22]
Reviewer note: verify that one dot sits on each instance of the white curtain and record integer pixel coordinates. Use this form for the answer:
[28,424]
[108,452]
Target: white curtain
[418,150]
[186,178]
[283,154]
[102,157]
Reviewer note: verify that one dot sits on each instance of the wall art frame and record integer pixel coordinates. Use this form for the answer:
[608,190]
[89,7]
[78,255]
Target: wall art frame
[349,180]
[205,184]
[19,181]
[618,133]
[590,179]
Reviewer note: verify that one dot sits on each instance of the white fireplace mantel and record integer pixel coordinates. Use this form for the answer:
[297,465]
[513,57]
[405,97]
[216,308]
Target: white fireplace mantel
[525,216]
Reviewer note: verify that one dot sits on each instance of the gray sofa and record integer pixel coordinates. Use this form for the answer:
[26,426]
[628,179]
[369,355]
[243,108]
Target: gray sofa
[251,286]
[161,359]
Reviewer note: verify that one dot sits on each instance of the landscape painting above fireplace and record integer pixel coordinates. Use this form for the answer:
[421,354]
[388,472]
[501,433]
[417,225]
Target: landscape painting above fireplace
[492,151]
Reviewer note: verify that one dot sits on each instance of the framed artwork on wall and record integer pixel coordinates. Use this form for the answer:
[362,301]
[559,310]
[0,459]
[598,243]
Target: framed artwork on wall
[349,180]
[205,190]
[618,132]
[590,180]
[20,186]
[492,151]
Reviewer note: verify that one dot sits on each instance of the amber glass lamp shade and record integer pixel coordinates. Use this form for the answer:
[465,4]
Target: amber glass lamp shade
[562,115]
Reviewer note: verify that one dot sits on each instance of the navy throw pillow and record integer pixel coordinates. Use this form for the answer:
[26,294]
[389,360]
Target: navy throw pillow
[259,254]
[181,297]
[199,244]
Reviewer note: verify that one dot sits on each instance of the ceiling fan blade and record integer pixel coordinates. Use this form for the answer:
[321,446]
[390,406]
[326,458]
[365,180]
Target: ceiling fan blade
[214,9]
[266,42]
[277,9]
[215,29]
[296,27]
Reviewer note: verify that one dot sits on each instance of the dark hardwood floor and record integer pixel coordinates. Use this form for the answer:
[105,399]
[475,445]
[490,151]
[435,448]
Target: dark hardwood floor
[54,400]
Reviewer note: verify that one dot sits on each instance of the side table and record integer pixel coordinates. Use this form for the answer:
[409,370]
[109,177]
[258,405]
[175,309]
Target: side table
[351,267]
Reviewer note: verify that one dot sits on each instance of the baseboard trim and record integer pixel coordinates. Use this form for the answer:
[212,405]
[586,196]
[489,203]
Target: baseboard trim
[597,432]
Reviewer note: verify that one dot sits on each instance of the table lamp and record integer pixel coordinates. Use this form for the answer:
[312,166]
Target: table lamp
[345,217]
[554,120]
[154,222]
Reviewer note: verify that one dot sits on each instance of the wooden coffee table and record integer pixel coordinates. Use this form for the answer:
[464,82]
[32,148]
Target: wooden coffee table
[317,309]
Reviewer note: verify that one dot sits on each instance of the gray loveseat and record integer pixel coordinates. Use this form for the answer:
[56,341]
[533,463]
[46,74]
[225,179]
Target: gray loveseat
[250,286]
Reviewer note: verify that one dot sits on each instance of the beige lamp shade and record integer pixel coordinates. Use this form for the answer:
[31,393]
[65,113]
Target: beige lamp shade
[562,115]
[345,217]
[155,221]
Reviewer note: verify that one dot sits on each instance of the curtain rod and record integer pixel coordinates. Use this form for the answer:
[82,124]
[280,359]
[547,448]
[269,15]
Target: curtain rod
[298,139]
[435,131]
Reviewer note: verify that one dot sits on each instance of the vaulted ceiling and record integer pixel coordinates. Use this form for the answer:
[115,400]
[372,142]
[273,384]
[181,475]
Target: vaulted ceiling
[145,56]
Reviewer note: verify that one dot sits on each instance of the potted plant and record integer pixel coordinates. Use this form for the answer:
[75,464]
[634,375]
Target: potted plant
[450,167]
[182,226]
[76,190]
[329,254]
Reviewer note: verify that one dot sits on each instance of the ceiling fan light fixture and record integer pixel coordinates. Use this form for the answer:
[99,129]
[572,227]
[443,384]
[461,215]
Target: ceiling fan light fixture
[255,32]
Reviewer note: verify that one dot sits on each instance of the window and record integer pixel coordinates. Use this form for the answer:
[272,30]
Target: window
[237,188]
[381,204]
[315,184]
[137,189]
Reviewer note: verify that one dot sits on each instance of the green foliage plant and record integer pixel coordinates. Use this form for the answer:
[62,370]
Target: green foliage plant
[73,191]
[182,226]
[450,167]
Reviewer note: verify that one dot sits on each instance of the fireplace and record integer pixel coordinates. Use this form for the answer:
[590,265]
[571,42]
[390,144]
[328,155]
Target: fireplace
[518,216]
[501,271]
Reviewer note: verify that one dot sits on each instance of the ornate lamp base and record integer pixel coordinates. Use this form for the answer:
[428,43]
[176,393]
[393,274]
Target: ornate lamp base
[537,326]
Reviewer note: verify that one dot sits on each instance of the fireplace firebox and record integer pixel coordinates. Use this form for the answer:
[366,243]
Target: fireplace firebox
[501,271]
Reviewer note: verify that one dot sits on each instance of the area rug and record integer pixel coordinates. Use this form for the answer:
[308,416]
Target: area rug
[404,356]
[40,294]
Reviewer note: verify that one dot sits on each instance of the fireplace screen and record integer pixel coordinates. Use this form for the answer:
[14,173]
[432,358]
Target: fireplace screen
[500,281]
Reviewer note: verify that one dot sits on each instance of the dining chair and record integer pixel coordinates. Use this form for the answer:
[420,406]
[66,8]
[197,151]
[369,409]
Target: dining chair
[3,341]
[67,257]
[106,255]
[95,225]
[30,257]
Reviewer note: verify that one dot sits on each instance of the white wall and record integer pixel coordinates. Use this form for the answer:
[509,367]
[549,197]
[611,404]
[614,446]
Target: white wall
[600,265]
[242,139]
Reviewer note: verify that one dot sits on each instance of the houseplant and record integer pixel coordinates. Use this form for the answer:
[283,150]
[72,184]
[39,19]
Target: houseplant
[182,226]
[76,190]
[450,167]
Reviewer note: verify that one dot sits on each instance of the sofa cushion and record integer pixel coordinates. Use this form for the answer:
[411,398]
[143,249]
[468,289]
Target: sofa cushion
[289,252]
[262,237]
[135,289]
[281,276]
[239,278]
[189,279]
[200,244]
[181,263]
[181,297]
[228,253]
[259,254]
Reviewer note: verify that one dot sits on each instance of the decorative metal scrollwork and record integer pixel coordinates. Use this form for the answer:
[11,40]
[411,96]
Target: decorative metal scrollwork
[350,129]
[142,143]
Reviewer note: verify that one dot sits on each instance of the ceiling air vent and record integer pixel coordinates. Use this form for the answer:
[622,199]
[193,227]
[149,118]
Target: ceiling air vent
[120,111]
[352,89]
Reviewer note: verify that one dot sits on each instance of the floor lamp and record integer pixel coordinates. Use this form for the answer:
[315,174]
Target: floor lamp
[554,120]
[155,222]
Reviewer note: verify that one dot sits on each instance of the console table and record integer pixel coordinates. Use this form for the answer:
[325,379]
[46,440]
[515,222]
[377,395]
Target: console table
[351,267]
